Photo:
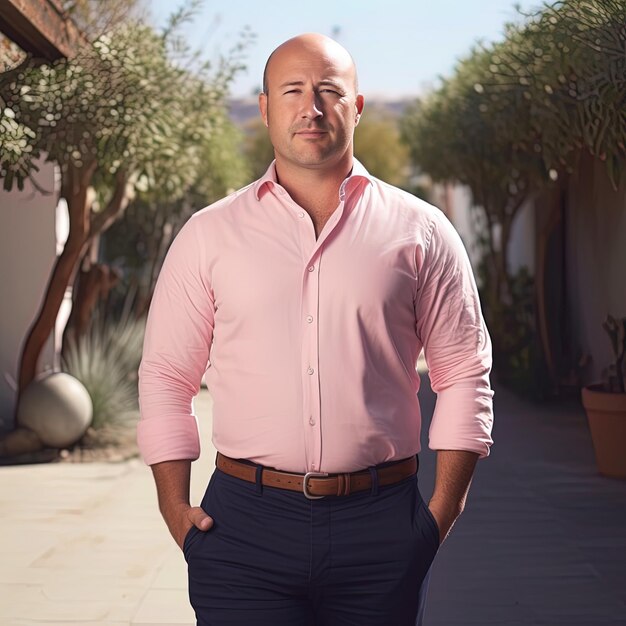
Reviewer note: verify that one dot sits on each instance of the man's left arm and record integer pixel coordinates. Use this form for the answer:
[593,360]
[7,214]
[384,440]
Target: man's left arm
[457,348]
[455,469]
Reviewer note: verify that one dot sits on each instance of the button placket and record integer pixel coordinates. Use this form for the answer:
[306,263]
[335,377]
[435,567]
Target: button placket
[310,332]
[310,361]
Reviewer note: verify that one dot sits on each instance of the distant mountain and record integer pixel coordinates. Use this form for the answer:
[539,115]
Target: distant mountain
[242,110]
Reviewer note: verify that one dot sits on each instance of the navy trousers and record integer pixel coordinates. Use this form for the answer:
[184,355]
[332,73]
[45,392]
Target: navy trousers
[275,558]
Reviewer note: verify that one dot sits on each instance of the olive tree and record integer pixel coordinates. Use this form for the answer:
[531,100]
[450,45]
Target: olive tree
[515,116]
[137,243]
[125,115]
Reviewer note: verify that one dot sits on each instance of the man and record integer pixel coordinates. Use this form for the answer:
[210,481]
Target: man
[309,295]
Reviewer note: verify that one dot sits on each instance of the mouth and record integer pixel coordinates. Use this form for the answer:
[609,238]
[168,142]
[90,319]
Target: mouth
[310,133]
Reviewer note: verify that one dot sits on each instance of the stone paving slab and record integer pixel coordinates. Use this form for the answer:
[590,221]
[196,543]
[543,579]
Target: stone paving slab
[85,544]
[542,541]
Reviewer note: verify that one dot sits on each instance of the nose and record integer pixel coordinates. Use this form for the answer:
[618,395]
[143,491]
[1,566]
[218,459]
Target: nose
[311,106]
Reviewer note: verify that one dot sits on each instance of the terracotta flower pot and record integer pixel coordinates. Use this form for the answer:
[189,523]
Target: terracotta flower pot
[606,413]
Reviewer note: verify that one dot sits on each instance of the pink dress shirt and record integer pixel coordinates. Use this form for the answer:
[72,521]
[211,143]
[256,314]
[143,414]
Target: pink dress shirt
[309,346]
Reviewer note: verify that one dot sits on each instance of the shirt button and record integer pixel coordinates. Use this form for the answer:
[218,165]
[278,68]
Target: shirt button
[309,318]
[311,421]
[311,268]
[313,466]
[300,214]
[310,370]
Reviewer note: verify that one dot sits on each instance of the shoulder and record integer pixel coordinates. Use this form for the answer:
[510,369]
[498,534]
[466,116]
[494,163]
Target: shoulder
[224,208]
[395,195]
[423,215]
[201,232]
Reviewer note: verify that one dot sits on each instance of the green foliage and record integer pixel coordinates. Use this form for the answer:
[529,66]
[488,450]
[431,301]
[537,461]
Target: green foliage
[106,362]
[568,65]
[126,101]
[460,133]
[223,167]
[137,116]
[138,242]
[513,118]
[257,147]
[518,358]
[18,147]
[378,146]
[515,113]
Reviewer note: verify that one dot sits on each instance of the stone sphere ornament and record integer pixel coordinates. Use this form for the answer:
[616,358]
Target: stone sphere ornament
[57,407]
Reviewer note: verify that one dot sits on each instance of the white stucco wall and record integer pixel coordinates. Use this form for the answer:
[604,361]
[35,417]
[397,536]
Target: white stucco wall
[522,243]
[28,248]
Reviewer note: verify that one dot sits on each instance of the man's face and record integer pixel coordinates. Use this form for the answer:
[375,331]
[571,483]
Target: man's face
[311,108]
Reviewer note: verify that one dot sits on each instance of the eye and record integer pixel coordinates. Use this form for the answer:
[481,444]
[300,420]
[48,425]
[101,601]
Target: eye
[292,91]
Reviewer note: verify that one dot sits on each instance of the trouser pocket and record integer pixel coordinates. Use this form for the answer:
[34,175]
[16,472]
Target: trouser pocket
[189,537]
[425,525]
[433,523]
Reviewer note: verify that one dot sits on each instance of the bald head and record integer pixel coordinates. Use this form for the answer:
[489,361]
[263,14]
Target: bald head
[311,106]
[312,43]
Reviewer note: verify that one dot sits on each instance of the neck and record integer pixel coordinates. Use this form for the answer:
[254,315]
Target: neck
[306,185]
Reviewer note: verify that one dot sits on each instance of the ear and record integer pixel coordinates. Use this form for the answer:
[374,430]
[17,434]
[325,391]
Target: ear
[360,103]
[263,108]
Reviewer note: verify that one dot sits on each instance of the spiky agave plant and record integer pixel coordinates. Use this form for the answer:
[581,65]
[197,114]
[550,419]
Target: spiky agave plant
[105,360]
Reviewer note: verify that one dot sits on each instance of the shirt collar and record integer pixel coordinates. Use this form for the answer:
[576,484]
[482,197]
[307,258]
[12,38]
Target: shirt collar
[357,175]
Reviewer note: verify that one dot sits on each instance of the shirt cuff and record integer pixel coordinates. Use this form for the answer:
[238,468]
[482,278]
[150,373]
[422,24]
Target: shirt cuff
[462,420]
[172,438]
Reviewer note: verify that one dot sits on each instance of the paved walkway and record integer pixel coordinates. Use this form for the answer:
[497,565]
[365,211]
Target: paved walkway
[543,539]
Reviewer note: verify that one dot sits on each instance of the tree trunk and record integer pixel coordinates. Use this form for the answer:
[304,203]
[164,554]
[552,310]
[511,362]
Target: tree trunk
[74,190]
[93,285]
[114,208]
[503,266]
[166,235]
[493,282]
[166,232]
[83,227]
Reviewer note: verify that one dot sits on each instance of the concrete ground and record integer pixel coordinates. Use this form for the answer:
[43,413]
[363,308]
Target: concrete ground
[542,541]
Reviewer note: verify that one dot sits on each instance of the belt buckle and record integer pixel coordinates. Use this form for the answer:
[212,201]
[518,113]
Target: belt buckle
[305,488]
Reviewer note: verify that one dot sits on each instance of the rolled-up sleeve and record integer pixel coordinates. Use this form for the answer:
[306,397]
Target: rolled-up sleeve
[457,346]
[179,332]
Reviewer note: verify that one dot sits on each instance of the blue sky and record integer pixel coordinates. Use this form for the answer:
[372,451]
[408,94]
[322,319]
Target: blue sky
[400,46]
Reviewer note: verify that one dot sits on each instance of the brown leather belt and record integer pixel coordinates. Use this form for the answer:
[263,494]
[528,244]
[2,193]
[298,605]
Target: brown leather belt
[319,484]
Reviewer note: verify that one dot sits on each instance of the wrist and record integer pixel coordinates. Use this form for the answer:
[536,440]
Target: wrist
[445,515]
[174,512]
[445,507]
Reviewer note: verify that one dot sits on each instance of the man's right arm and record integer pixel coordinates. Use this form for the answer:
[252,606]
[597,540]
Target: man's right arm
[172,483]
[178,337]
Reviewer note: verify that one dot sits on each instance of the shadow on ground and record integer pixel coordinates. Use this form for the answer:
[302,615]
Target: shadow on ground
[543,537]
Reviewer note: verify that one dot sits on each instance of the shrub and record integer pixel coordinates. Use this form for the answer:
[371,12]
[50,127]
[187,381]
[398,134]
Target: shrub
[106,361]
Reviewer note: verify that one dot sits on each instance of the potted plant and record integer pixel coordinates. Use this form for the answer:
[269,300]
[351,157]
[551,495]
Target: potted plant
[605,404]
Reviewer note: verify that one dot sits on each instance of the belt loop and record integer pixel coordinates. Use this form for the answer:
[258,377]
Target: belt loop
[374,476]
[258,480]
